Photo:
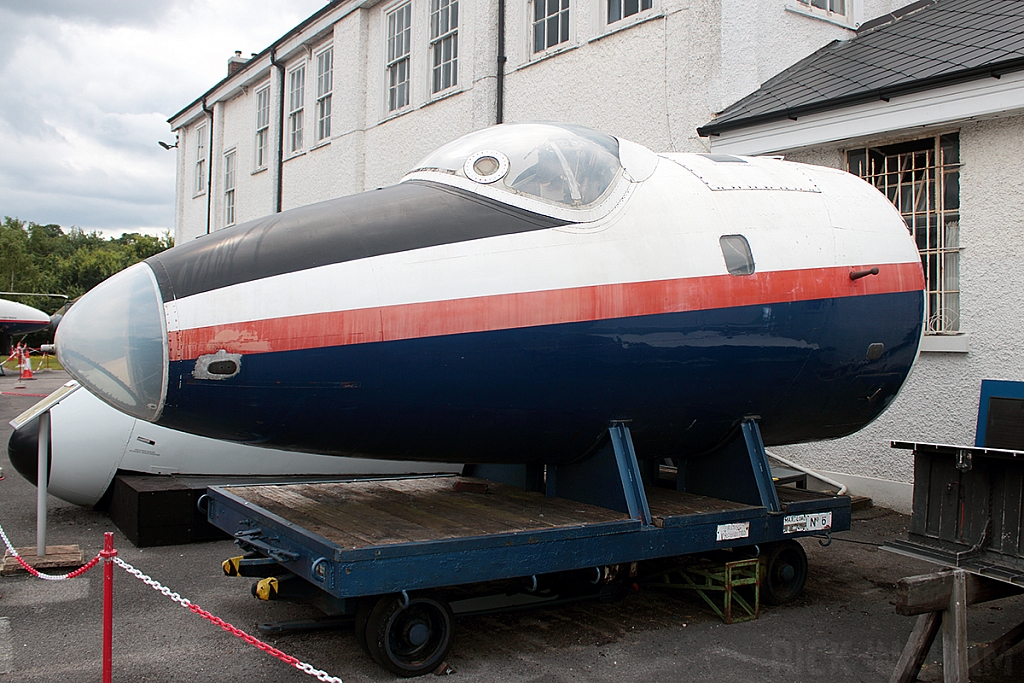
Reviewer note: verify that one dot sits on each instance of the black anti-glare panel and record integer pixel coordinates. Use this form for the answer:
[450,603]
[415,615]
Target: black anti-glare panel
[411,215]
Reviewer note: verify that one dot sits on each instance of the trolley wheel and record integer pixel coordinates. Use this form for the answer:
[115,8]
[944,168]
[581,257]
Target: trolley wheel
[363,616]
[785,573]
[410,640]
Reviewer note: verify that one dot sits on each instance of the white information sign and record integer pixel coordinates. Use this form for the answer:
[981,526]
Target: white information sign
[730,532]
[812,521]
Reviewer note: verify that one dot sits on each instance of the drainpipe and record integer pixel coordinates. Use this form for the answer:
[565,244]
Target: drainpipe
[499,115]
[279,161]
[209,168]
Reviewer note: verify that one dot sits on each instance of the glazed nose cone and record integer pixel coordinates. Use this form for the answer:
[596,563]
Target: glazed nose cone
[114,341]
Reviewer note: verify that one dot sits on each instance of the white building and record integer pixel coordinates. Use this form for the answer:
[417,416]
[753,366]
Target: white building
[355,95]
[929,108]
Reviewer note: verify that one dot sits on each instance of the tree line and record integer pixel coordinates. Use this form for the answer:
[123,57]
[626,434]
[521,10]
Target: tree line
[49,260]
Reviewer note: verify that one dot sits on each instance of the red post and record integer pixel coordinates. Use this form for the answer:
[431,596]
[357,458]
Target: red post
[108,554]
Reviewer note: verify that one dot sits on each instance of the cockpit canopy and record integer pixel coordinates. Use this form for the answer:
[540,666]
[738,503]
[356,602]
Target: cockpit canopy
[565,165]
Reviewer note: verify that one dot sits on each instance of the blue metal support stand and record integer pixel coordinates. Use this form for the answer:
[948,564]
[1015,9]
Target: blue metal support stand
[611,478]
[738,472]
[527,477]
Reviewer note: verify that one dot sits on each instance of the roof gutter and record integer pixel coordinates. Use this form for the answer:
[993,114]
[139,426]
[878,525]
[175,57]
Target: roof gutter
[281,45]
[279,158]
[209,167]
[499,114]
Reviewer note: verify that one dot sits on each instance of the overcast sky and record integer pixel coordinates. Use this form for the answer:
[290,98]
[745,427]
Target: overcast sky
[87,86]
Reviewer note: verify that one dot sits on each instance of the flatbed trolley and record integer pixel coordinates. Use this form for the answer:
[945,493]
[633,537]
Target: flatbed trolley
[384,551]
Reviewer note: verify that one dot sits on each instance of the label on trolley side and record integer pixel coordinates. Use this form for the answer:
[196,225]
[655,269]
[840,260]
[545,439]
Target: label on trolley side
[730,532]
[813,521]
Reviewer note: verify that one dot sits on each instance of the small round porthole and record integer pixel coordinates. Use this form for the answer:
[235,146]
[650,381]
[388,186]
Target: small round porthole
[486,166]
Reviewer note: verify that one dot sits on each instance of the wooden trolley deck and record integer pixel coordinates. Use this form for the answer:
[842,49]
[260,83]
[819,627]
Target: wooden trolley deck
[359,514]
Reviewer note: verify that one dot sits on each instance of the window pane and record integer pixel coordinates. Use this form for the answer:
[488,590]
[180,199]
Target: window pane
[444,21]
[736,250]
[398,63]
[614,10]
[950,148]
[951,235]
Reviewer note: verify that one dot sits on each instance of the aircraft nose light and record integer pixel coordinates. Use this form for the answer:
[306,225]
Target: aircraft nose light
[114,341]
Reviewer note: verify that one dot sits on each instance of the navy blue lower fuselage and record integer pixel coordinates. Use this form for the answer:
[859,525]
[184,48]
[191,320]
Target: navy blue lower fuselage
[548,393]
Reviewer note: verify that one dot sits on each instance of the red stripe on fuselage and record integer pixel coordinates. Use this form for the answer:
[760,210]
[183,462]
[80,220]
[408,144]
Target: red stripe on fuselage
[531,309]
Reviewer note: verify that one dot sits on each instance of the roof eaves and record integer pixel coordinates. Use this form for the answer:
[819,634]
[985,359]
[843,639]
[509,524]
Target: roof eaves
[277,43]
[886,19]
[885,94]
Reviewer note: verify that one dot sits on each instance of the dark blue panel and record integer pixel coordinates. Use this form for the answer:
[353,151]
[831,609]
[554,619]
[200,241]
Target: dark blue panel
[993,388]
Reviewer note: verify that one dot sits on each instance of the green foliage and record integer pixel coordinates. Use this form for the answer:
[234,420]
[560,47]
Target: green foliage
[46,259]
[18,270]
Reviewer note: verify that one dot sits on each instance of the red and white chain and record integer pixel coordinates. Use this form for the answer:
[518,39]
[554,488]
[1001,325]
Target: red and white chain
[237,632]
[40,575]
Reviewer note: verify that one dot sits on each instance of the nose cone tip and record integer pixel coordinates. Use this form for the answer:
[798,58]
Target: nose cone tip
[23,450]
[114,341]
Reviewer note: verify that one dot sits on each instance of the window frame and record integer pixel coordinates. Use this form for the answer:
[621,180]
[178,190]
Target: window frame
[737,254]
[937,224]
[296,107]
[199,188]
[262,135]
[324,92]
[844,18]
[394,62]
[565,26]
[644,8]
[230,172]
[437,42]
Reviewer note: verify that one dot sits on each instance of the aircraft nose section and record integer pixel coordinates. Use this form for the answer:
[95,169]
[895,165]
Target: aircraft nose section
[114,341]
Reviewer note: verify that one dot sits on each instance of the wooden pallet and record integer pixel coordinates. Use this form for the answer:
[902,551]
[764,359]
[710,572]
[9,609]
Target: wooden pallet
[57,556]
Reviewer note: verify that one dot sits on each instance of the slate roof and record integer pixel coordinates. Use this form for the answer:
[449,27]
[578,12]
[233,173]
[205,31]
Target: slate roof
[926,45]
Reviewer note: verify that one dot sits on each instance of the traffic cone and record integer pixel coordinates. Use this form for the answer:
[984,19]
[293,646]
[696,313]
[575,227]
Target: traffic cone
[26,366]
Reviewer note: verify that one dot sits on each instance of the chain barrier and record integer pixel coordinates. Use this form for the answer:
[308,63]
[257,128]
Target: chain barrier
[184,602]
[233,630]
[40,575]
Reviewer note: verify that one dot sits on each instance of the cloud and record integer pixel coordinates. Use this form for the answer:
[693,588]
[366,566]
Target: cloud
[87,89]
[107,13]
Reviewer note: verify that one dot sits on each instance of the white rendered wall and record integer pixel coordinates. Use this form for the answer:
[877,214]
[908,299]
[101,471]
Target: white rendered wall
[939,404]
[190,221]
[653,78]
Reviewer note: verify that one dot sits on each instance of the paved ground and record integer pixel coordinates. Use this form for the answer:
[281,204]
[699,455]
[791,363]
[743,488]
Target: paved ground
[842,629]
